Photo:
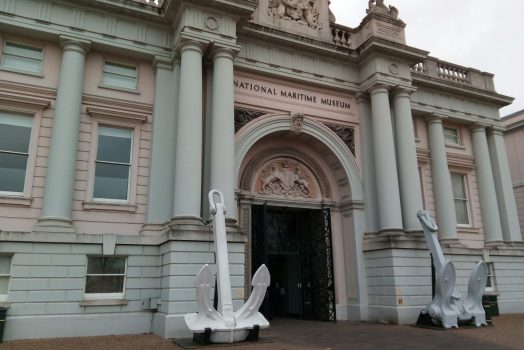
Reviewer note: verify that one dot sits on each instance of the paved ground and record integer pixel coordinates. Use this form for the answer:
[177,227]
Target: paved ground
[507,332]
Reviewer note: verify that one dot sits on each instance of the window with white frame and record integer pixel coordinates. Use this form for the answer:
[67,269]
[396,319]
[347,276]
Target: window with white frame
[105,277]
[119,75]
[490,284]
[113,164]
[15,137]
[22,57]
[5,275]
[452,136]
[460,194]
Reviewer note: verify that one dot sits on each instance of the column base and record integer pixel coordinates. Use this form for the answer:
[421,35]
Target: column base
[494,244]
[54,225]
[155,230]
[391,232]
[451,243]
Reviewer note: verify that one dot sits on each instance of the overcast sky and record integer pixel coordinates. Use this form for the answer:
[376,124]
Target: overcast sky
[483,34]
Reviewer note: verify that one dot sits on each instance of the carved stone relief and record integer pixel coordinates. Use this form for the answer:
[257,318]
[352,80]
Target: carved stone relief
[244,116]
[297,122]
[285,178]
[346,134]
[260,168]
[304,12]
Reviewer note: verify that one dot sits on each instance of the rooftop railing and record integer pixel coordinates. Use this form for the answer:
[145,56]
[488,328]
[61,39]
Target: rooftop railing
[433,67]
[341,35]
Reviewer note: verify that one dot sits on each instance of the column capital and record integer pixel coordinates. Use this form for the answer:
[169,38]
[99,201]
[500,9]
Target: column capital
[191,45]
[162,63]
[70,43]
[434,118]
[403,91]
[497,130]
[379,88]
[229,52]
[478,127]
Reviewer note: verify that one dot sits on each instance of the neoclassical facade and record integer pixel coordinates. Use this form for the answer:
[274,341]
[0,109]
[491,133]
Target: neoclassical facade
[117,118]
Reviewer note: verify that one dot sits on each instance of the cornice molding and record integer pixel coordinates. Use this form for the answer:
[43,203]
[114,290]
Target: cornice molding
[120,109]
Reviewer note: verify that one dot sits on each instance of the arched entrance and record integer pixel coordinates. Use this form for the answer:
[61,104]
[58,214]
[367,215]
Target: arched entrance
[301,206]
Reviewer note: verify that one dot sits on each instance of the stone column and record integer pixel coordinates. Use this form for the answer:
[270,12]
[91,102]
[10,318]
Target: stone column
[390,214]
[368,164]
[223,177]
[443,192]
[61,165]
[488,195]
[503,186]
[162,166]
[409,178]
[188,170]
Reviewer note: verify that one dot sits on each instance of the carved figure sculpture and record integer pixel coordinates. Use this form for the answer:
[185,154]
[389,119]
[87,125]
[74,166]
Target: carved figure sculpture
[224,325]
[282,178]
[301,11]
[447,307]
[378,6]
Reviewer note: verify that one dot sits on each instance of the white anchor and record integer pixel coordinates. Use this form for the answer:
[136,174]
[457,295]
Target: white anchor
[226,325]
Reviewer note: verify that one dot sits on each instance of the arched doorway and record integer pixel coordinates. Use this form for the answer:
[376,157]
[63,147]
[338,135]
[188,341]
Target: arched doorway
[301,206]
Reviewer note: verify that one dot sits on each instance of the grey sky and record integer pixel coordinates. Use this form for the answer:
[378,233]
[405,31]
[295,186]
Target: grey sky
[484,34]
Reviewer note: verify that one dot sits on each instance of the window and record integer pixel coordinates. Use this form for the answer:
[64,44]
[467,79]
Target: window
[105,277]
[452,136]
[119,75]
[458,182]
[490,284]
[113,164]
[5,274]
[22,57]
[15,136]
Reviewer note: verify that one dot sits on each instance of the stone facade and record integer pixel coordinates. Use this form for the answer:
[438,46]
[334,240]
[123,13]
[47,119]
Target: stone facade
[270,102]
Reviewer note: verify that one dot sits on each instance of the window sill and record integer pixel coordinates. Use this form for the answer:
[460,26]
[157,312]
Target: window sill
[103,302]
[22,71]
[456,146]
[118,88]
[467,229]
[5,305]
[17,201]
[103,206]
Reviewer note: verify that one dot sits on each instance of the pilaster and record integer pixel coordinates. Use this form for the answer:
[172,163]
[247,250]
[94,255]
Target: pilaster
[60,178]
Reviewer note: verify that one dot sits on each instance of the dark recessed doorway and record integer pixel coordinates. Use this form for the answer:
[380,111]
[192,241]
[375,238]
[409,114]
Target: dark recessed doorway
[295,244]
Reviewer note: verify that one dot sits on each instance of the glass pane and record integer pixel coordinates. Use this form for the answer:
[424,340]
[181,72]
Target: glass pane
[109,265]
[120,80]
[104,284]
[451,135]
[457,182]
[5,265]
[4,285]
[120,69]
[14,138]
[111,181]
[22,63]
[12,172]
[114,145]
[461,208]
[24,51]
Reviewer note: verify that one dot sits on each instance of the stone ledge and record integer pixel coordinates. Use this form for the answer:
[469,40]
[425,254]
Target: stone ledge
[103,206]
[15,201]
[104,302]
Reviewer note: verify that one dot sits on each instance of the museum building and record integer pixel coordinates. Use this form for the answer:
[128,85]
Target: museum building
[118,116]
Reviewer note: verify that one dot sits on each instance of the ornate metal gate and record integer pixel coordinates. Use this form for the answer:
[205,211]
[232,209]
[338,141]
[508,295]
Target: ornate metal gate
[281,232]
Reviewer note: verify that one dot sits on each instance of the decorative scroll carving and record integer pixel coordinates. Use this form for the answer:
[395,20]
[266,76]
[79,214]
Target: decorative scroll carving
[346,134]
[244,116]
[378,6]
[297,122]
[304,12]
[285,178]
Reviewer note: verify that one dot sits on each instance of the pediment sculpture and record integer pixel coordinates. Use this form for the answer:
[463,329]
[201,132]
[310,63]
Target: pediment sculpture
[378,6]
[304,12]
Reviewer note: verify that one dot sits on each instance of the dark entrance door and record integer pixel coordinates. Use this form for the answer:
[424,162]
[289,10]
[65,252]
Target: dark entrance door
[295,245]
